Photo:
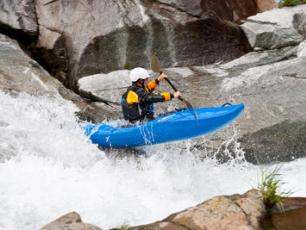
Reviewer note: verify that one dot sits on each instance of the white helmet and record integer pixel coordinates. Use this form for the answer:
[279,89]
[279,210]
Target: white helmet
[138,73]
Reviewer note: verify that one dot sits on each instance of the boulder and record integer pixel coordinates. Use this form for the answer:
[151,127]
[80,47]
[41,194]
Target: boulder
[108,87]
[272,127]
[18,18]
[227,10]
[70,221]
[276,28]
[77,39]
[285,141]
[20,73]
[223,212]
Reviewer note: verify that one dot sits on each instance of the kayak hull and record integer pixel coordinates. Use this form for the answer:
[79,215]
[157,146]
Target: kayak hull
[174,126]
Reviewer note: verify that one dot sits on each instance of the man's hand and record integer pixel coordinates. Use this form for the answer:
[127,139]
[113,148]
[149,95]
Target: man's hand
[162,77]
[177,94]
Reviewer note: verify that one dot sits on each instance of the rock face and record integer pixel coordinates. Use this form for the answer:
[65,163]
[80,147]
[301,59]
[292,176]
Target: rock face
[19,73]
[277,28]
[18,18]
[285,141]
[223,212]
[76,38]
[275,110]
[70,221]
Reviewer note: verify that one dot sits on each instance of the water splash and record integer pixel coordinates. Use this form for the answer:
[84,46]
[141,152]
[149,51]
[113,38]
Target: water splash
[49,168]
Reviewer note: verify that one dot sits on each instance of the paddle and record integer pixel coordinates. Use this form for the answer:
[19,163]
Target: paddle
[94,98]
[155,67]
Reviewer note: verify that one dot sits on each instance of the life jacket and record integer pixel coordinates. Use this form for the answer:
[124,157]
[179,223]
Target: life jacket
[137,103]
[130,106]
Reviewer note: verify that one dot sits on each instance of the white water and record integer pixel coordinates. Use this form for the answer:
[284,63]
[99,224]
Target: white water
[48,168]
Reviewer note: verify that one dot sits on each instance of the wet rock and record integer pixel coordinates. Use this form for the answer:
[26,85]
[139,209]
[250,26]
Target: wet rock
[70,221]
[223,212]
[276,28]
[18,18]
[272,125]
[284,142]
[20,73]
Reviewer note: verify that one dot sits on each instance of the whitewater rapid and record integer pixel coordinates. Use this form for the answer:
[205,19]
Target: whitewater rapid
[49,168]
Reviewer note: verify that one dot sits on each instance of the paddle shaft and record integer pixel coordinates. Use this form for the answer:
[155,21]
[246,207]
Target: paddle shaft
[180,98]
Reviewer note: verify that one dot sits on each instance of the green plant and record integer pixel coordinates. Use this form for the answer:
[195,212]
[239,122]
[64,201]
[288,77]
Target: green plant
[124,227]
[126,66]
[292,2]
[270,187]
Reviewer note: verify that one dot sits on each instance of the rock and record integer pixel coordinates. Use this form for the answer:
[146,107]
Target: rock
[77,39]
[276,28]
[264,5]
[285,141]
[301,52]
[18,18]
[71,221]
[223,212]
[275,109]
[19,73]
[291,215]
[107,86]
[227,10]
[22,74]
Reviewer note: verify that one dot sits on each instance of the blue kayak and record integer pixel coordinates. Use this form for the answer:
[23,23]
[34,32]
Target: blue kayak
[173,126]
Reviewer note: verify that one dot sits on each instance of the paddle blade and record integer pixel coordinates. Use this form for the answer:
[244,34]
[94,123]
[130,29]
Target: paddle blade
[155,66]
[190,107]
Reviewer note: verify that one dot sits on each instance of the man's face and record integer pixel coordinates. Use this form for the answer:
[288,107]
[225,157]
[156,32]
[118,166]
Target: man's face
[143,83]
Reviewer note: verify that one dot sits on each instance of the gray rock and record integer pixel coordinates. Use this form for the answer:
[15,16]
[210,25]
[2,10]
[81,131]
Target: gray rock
[18,16]
[22,74]
[19,73]
[301,52]
[106,86]
[285,141]
[276,28]
[77,39]
[273,94]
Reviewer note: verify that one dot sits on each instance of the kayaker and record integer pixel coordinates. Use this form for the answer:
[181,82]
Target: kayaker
[137,101]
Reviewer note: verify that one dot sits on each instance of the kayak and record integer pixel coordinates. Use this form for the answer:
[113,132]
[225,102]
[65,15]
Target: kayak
[174,126]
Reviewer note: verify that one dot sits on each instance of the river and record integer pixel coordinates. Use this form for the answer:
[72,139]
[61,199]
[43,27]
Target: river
[49,168]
